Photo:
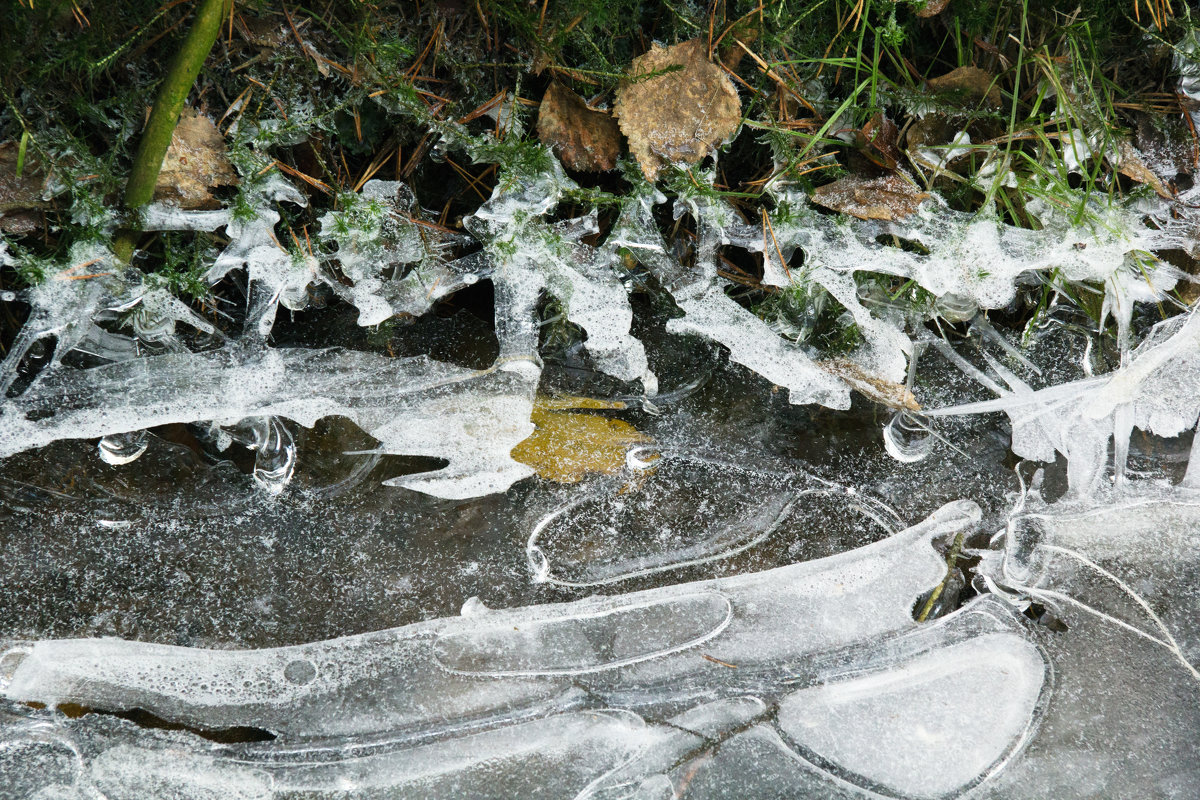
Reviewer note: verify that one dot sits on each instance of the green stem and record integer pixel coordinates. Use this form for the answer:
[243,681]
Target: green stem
[951,562]
[165,115]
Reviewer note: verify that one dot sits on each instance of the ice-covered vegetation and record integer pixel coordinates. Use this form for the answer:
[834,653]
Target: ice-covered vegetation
[390,261]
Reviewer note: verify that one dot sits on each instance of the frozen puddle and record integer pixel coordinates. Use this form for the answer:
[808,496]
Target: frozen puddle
[651,646]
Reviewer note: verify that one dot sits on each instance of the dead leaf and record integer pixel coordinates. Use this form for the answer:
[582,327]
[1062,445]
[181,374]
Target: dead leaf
[932,8]
[567,446]
[884,392]
[889,197]
[968,83]
[1132,166]
[685,108]
[584,139]
[195,164]
[932,130]
[878,139]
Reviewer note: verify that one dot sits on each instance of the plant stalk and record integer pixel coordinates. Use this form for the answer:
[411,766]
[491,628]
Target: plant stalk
[164,116]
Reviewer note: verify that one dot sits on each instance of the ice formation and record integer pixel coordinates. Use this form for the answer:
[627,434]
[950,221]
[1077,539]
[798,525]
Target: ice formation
[414,406]
[602,697]
[612,531]
[1120,576]
[391,260]
[1154,391]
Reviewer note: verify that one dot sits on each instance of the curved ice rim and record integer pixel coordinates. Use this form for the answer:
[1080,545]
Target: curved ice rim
[541,570]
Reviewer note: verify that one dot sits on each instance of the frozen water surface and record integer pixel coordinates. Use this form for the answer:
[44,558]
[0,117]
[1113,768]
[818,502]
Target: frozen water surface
[254,558]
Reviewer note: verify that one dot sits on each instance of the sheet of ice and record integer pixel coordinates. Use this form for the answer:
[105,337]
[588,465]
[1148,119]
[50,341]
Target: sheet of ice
[1121,576]
[898,728]
[414,406]
[892,720]
[552,757]
[1132,560]
[427,676]
[696,732]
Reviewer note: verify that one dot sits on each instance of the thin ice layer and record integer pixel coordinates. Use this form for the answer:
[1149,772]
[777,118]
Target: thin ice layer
[430,675]
[1119,578]
[414,406]
[891,727]
[628,733]
[684,510]
[1132,560]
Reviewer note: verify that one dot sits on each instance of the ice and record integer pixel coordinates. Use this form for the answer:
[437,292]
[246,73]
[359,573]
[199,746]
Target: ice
[531,256]
[785,681]
[428,675]
[1154,392]
[709,313]
[1120,577]
[911,719]
[380,231]
[414,406]
[752,343]
[660,519]
[276,275]
[392,261]
[968,262]
[810,680]
[1131,561]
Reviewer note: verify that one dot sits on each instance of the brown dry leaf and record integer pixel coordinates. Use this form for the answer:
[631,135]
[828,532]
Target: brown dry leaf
[971,83]
[932,130]
[1132,166]
[889,197]
[195,164]
[583,138]
[878,139]
[730,53]
[884,392]
[20,198]
[685,109]
[566,447]
[932,8]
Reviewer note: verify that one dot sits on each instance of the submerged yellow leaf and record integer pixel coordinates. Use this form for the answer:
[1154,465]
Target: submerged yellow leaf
[568,446]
